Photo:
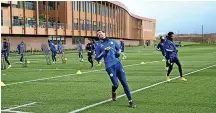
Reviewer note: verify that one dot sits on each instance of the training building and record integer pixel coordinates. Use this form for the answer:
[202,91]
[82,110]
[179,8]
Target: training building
[34,22]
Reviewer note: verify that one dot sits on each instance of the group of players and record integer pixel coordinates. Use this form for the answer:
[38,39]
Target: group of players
[91,50]
[110,51]
[170,53]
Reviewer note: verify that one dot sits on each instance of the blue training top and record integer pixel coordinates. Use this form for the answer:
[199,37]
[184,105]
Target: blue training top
[5,49]
[111,57]
[80,47]
[60,48]
[170,49]
[20,48]
[52,46]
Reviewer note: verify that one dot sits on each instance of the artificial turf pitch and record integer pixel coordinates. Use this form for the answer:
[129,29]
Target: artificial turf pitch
[57,88]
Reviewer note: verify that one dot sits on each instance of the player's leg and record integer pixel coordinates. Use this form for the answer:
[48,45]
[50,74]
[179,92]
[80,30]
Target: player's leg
[53,57]
[170,67]
[177,61]
[6,59]
[91,60]
[112,74]
[167,65]
[81,55]
[21,58]
[122,78]
[3,64]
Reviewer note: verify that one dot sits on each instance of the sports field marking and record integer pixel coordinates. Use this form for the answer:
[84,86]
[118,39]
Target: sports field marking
[11,110]
[135,91]
[71,74]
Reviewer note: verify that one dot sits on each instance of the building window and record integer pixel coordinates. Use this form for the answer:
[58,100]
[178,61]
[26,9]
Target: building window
[44,5]
[98,10]
[110,27]
[51,5]
[113,28]
[99,25]
[88,6]
[82,24]
[110,12]
[30,5]
[107,27]
[75,5]
[102,8]
[18,21]
[94,7]
[57,39]
[75,24]
[76,39]
[82,6]
[94,26]
[30,22]
[88,25]
[103,26]
[106,11]
[1,17]
[19,4]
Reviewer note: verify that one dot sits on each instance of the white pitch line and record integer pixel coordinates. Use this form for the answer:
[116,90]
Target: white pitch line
[14,111]
[70,74]
[135,91]
[24,105]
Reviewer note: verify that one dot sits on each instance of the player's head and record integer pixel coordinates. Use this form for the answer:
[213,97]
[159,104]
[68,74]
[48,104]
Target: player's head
[101,34]
[170,36]
[22,42]
[4,40]
[90,40]
[93,40]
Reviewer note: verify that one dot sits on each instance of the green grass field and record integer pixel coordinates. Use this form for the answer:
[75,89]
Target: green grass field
[42,88]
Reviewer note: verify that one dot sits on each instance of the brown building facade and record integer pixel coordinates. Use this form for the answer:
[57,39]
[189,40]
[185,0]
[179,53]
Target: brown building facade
[35,22]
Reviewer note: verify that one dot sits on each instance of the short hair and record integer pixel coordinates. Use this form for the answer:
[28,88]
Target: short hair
[170,34]
[4,39]
[100,30]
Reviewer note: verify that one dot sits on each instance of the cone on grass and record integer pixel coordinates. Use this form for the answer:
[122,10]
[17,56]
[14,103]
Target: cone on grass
[79,72]
[142,63]
[2,84]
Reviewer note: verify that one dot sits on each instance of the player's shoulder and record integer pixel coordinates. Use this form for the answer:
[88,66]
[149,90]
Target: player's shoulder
[112,41]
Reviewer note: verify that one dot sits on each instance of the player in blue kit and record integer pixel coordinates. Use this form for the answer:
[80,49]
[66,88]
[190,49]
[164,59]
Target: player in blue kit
[60,49]
[21,50]
[172,56]
[61,52]
[5,51]
[160,47]
[80,50]
[110,51]
[53,50]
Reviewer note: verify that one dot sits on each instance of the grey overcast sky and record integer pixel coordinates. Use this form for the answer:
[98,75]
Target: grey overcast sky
[182,16]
